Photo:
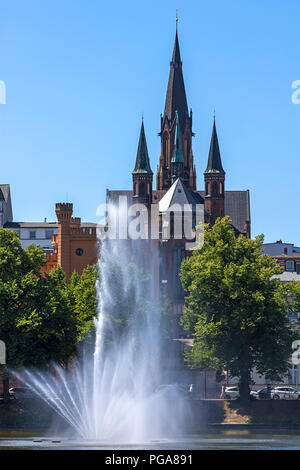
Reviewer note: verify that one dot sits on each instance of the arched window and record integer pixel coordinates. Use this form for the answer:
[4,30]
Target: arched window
[142,191]
[215,189]
[208,189]
[166,148]
[185,152]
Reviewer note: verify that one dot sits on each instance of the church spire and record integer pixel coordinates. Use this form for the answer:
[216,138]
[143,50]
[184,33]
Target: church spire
[142,164]
[214,180]
[214,164]
[176,97]
[176,102]
[142,174]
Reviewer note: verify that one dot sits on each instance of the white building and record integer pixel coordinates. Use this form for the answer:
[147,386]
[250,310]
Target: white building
[36,233]
[280,248]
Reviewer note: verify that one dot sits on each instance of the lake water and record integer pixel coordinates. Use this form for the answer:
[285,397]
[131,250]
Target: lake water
[231,440]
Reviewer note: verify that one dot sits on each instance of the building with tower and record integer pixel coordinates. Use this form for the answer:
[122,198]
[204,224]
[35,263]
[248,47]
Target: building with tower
[176,182]
[75,245]
[69,243]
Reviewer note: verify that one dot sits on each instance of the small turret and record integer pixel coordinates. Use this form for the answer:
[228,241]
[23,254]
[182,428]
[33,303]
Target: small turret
[142,174]
[64,211]
[214,180]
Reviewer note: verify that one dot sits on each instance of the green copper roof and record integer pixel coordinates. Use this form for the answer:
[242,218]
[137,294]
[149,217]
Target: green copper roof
[177,152]
[214,164]
[142,164]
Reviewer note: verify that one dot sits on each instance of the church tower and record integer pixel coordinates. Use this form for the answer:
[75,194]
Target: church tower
[214,180]
[176,102]
[142,174]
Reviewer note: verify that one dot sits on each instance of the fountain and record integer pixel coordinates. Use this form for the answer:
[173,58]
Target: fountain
[115,393]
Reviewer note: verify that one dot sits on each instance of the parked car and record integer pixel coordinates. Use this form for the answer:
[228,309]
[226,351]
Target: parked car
[261,394]
[231,393]
[179,388]
[21,393]
[285,393]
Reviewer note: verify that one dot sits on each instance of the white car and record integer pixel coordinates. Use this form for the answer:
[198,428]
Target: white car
[20,393]
[231,393]
[285,393]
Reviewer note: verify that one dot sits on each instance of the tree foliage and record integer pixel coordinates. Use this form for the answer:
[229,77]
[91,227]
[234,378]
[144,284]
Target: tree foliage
[235,309]
[36,321]
[83,297]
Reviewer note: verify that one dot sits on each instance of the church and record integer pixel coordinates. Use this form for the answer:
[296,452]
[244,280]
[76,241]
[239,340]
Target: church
[176,182]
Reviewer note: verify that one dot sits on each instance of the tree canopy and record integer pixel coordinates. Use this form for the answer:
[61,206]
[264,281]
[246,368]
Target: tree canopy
[235,310]
[36,321]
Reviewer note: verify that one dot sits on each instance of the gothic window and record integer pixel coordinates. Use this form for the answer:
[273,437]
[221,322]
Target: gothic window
[166,148]
[215,189]
[221,188]
[142,189]
[165,230]
[185,151]
[208,189]
[178,257]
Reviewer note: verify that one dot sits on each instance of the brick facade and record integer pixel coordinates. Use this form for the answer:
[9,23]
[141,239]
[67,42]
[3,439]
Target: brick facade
[75,246]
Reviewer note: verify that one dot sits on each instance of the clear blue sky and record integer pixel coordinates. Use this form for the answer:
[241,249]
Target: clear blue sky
[80,73]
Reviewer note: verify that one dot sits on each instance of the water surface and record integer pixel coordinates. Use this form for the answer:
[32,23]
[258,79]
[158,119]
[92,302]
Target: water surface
[231,440]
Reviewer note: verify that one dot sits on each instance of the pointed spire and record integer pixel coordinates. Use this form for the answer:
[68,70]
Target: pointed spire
[176,97]
[214,164]
[177,152]
[176,59]
[142,164]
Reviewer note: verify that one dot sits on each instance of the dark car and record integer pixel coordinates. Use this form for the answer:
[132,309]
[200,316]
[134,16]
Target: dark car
[262,394]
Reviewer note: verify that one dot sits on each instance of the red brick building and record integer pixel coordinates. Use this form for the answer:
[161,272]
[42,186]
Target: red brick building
[75,245]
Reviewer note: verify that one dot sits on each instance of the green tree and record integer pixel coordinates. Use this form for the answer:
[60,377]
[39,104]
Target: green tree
[47,326]
[235,309]
[36,319]
[83,296]
[291,293]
